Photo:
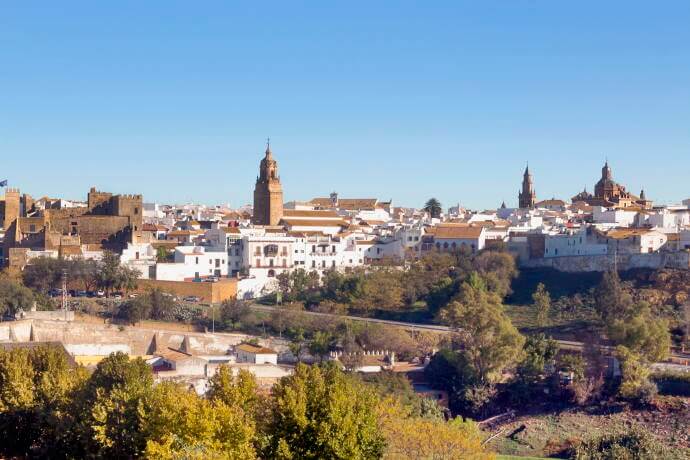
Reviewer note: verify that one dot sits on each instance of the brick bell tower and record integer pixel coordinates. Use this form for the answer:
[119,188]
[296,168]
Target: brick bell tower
[268,193]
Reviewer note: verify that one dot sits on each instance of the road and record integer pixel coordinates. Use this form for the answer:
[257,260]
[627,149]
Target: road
[682,360]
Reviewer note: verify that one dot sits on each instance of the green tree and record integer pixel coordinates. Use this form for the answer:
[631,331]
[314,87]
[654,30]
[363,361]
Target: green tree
[44,273]
[320,412]
[176,423]
[497,269]
[108,408]
[635,384]
[321,343]
[610,299]
[433,207]
[162,304]
[381,290]
[538,353]
[136,310]
[112,276]
[14,297]
[542,304]
[234,390]
[234,313]
[482,331]
[642,333]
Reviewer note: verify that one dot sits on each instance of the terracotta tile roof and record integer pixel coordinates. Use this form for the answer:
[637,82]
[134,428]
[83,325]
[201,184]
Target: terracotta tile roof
[316,214]
[457,231]
[249,348]
[365,242]
[552,202]
[180,233]
[346,203]
[234,230]
[314,222]
[623,233]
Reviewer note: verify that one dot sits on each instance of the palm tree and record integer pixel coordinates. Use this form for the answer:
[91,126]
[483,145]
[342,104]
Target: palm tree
[433,207]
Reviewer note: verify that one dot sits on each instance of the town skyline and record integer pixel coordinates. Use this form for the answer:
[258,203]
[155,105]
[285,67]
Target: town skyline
[511,201]
[402,103]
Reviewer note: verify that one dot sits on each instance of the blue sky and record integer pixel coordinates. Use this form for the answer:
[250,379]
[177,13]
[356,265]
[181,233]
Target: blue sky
[401,100]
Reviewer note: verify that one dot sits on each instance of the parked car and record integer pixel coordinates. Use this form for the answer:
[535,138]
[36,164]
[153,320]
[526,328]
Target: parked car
[100,293]
[192,298]
[55,292]
[80,294]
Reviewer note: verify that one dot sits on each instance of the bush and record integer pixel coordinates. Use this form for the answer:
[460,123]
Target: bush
[635,444]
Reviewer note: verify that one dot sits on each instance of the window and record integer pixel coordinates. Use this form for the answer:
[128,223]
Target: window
[333,248]
[32,228]
[271,250]
[270,262]
[136,210]
[197,260]
[453,245]
[445,245]
[323,264]
[313,248]
[333,263]
[258,262]
[271,273]
[210,261]
[313,264]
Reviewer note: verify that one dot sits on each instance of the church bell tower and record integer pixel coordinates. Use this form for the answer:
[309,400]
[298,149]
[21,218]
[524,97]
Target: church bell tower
[527,197]
[268,193]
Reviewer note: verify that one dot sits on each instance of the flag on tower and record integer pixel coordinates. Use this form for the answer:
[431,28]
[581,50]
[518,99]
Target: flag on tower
[3,183]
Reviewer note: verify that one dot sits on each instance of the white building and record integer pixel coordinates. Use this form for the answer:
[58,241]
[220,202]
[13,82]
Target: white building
[248,353]
[572,242]
[193,263]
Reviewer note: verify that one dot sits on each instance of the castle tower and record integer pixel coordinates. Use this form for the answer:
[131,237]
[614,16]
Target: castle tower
[268,193]
[527,197]
[12,207]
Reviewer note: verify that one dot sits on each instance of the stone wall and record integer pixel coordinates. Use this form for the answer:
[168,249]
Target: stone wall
[208,292]
[606,262]
[102,339]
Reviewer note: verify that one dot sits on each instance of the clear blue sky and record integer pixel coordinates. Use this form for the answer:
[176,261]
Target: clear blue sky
[402,100]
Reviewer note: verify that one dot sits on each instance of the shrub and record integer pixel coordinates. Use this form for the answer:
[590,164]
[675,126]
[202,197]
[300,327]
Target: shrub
[635,444]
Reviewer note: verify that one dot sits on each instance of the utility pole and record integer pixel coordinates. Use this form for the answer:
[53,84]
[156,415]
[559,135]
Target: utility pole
[64,292]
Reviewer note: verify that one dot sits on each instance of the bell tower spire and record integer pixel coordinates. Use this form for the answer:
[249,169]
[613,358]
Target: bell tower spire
[527,197]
